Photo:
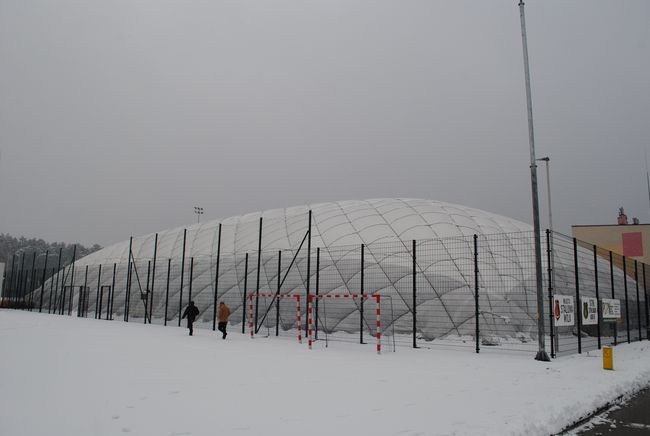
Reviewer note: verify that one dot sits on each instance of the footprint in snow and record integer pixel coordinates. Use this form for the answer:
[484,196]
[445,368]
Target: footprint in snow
[126,430]
[173,392]
[115,417]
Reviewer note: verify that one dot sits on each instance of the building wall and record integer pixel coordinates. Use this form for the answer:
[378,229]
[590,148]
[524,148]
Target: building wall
[630,240]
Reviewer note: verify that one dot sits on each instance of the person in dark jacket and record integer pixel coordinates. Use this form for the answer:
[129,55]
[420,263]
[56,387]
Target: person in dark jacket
[191,312]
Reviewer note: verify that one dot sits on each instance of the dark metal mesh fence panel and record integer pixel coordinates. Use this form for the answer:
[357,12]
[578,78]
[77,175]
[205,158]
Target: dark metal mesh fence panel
[203,290]
[440,309]
[340,273]
[389,272]
[605,276]
[587,280]
[508,293]
[565,284]
[619,292]
[445,298]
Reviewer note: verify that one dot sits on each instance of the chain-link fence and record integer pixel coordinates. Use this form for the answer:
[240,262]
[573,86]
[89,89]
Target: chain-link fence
[476,291]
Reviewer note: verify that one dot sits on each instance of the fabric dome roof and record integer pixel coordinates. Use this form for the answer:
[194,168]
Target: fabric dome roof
[333,224]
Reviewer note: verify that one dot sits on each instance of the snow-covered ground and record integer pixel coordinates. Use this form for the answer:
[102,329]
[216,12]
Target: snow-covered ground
[79,377]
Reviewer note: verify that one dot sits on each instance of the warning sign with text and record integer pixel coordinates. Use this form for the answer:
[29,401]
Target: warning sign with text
[563,310]
[589,310]
[611,309]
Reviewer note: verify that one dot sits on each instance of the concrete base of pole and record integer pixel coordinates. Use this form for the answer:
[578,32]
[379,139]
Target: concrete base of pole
[542,356]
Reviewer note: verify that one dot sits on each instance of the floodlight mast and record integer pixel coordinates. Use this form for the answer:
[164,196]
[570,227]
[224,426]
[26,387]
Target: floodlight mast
[541,353]
[198,211]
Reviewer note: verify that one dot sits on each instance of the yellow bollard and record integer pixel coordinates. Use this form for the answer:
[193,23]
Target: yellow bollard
[608,358]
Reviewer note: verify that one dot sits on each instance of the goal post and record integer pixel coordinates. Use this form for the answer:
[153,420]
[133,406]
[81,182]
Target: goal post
[251,311]
[310,318]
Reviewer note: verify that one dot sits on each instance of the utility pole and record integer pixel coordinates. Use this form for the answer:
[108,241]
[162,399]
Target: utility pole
[541,352]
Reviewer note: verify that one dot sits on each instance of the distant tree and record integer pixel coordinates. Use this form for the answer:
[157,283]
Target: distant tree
[10,246]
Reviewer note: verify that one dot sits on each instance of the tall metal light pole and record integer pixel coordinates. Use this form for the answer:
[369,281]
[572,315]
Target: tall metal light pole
[541,352]
[198,211]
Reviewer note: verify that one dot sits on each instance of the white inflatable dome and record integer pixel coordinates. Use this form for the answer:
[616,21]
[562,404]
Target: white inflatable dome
[334,224]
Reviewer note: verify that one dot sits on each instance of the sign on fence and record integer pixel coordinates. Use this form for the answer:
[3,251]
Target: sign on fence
[611,309]
[589,310]
[563,310]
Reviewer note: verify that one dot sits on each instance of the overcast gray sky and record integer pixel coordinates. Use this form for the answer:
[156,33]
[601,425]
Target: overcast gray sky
[117,117]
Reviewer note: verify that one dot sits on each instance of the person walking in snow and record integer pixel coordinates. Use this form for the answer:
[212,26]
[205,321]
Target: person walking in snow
[191,312]
[222,316]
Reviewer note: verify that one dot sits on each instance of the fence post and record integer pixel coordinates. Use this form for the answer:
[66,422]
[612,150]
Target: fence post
[153,276]
[307,287]
[80,299]
[189,293]
[577,304]
[551,286]
[317,290]
[98,304]
[19,285]
[53,307]
[180,301]
[259,265]
[56,289]
[128,283]
[111,294]
[476,302]
[277,300]
[362,291]
[74,258]
[98,298]
[611,276]
[169,267]
[645,305]
[627,309]
[243,314]
[638,303]
[414,296]
[61,297]
[21,274]
[31,285]
[84,300]
[216,281]
[598,309]
[86,294]
[146,295]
